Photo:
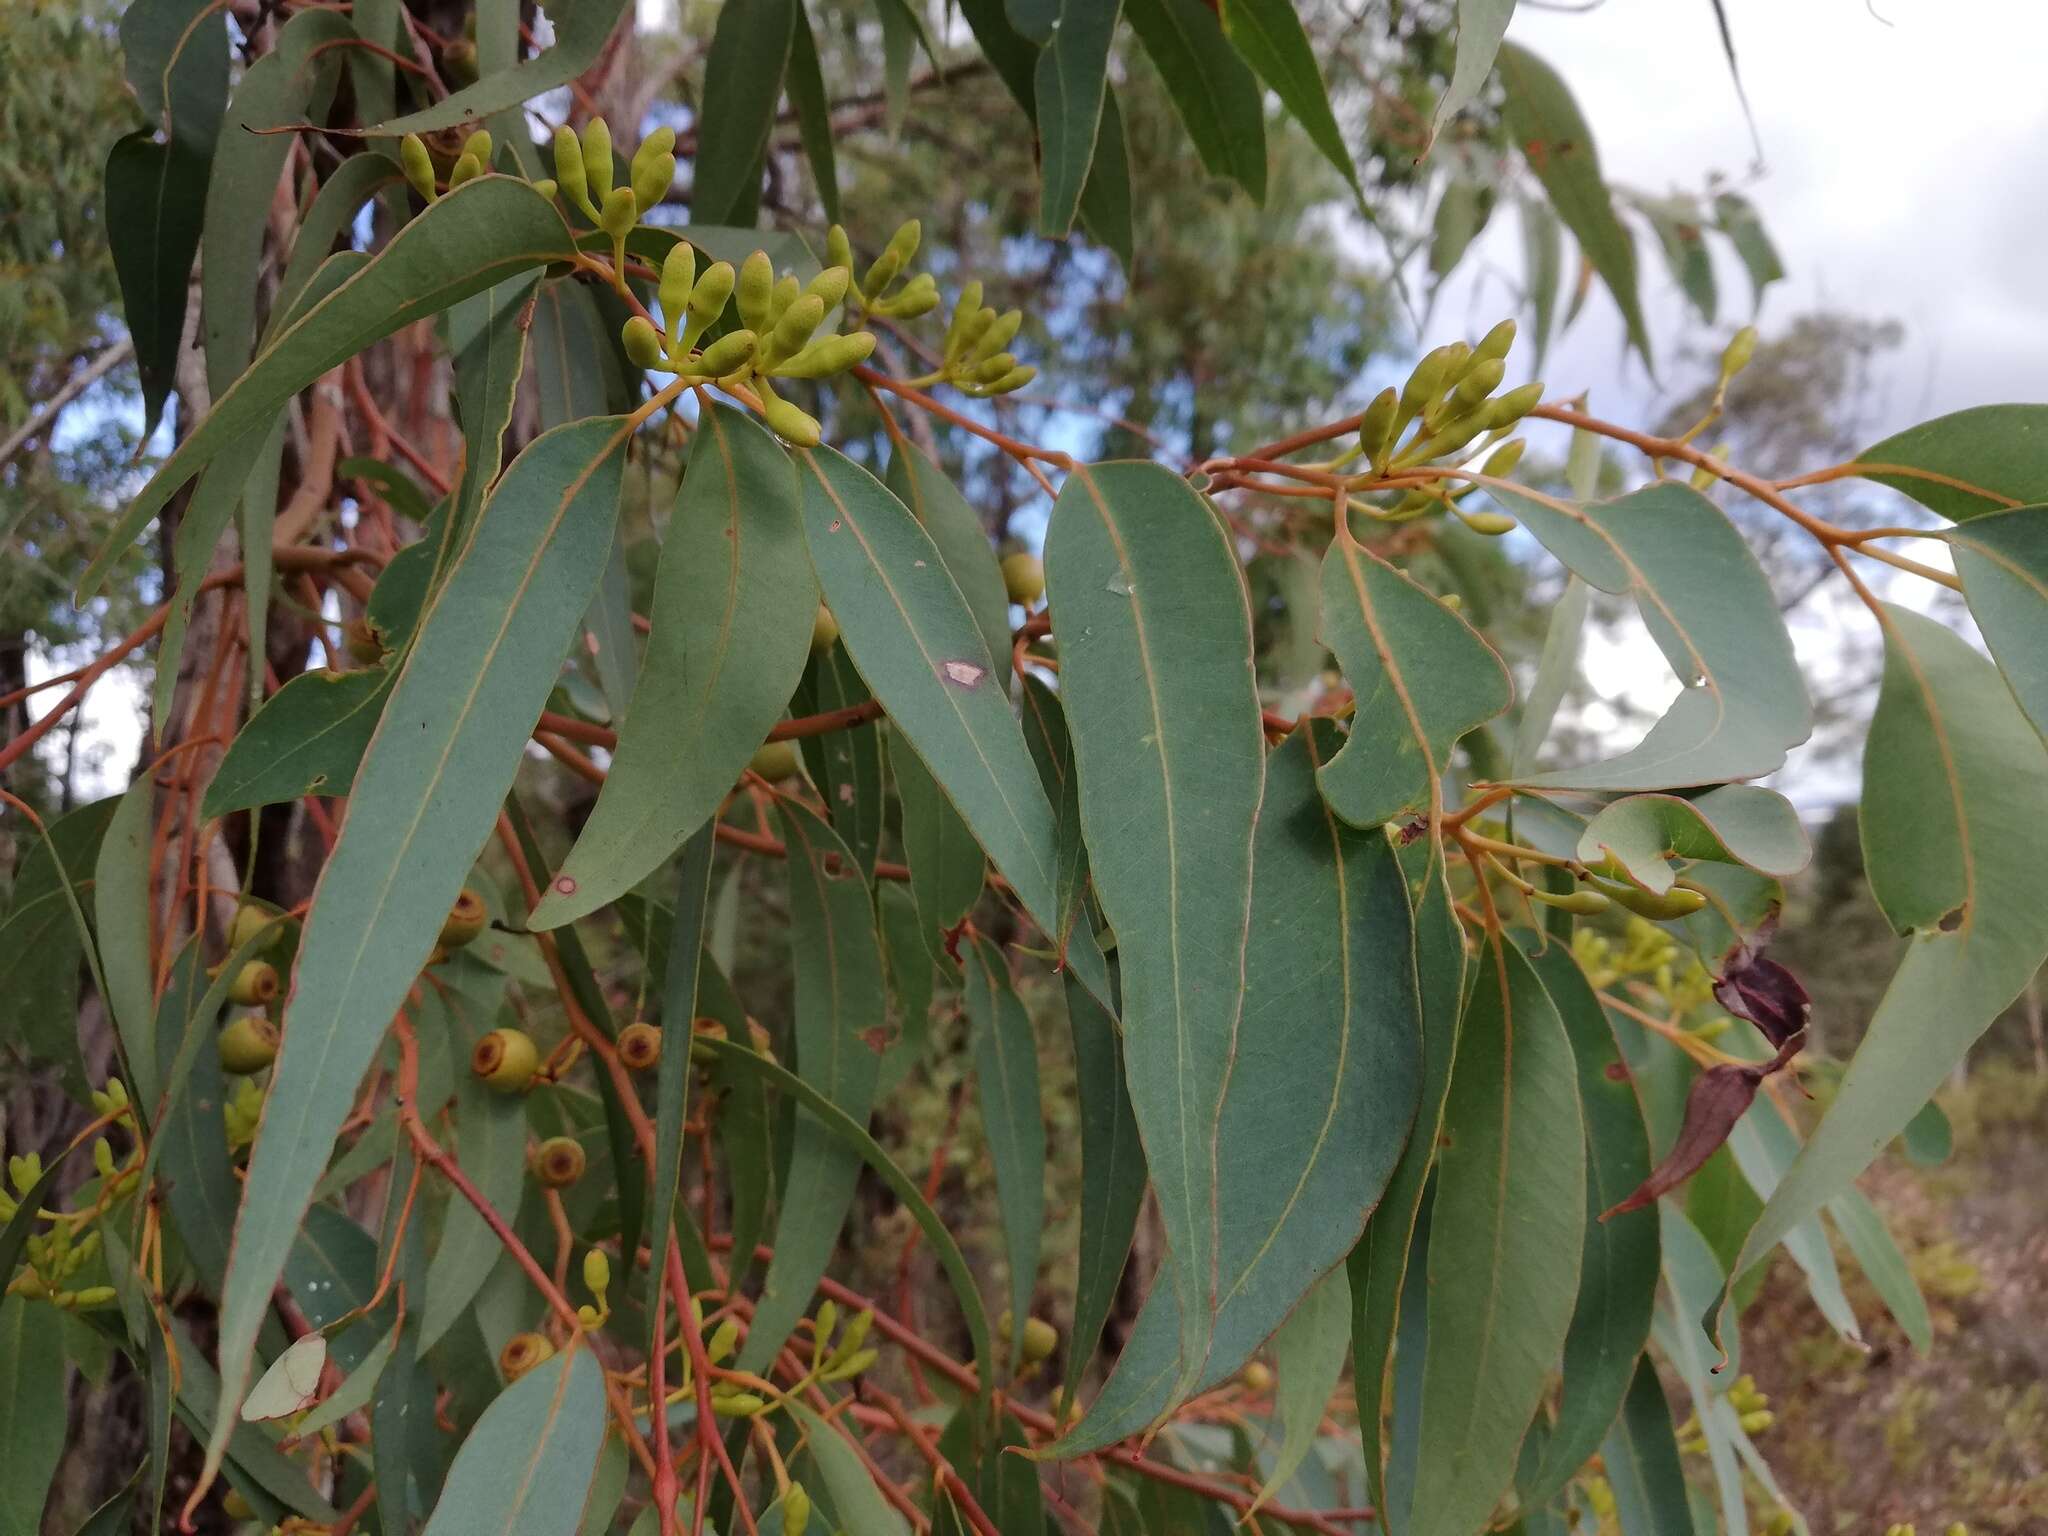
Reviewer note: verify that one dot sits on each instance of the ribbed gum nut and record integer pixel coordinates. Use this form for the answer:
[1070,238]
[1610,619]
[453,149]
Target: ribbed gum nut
[830,286]
[467,168]
[248,1044]
[730,353]
[802,317]
[1505,410]
[756,290]
[1376,427]
[465,920]
[479,145]
[965,309]
[559,1161]
[642,342]
[709,295]
[506,1059]
[639,1046]
[830,355]
[249,923]
[678,276]
[1740,349]
[839,249]
[569,165]
[1502,460]
[522,1352]
[1024,577]
[654,166]
[597,158]
[776,760]
[824,631]
[597,1272]
[789,421]
[1480,380]
[618,213]
[1496,343]
[997,336]
[1039,1341]
[254,985]
[417,164]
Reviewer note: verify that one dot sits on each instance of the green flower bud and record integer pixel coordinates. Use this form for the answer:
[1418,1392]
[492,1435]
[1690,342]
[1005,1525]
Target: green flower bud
[1496,343]
[796,1510]
[824,631]
[597,1272]
[776,761]
[708,297]
[678,274]
[1376,428]
[919,296]
[479,145]
[654,167]
[786,292]
[1740,349]
[729,354]
[1492,524]
[1009,383]
[248,1044]
[618,214]
[722,1341]
[506,1059]
[997,336]
[418,165]
[1480,380]
[830,286]
[103,1157]
[1502,460]
[1679,901]
[789,421]
[569,166]
[965,309]
[642,342]
[1756,1423]
[794,328]
[546,187]
[1425,385]
[1039,1341]
[458,60]
[1446,439]
[597,158]
[838,249]
[895,257]
[989,369]
[1505,410]
[736,1405]
[756,290]
[249,924]
[467,168]
[827,356]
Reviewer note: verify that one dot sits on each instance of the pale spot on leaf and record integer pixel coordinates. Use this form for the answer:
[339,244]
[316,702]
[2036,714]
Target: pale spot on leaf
[965,673]
[565,886]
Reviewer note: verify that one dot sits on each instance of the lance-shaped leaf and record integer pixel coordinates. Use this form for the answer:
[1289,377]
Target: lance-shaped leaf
[1481,26]
[1734,824]
[1006,1084]
[491,1143]
[1325,1074]
[581,32]
[121,908]
[845,1478]
[680,986]
[1640,1455]
[1422,677]
[1546,124]
[947,866]
[2002,558]
[43,937]
[426,797]
[486,337]
[1269,35]
[1737,218]
[528,1465]
[1620,1259]
[1675,222]
[911,634]
[846,765]
[814,111]
[1504,1244]
[734,598]
[1070,75]
[1555,671]
[1214,92]
[1763,1146]
[1955,792]
[1706,603]
[32,1388]
[480,234]
[841,1022]
[963,545]
[1308,1352]
[1694,1276]
[1162,706]
[1988,458]
[750,48]
[1379,1265]
[1045,731]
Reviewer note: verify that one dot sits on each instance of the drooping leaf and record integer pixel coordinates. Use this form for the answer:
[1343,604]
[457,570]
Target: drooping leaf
[1045,732]
[1741,704]
[1070,76]
[1883,1265]
[581,32]
[41,941]
[841,1024]
[292,1383]
[1461,215]
[947,866]
[1106,195]
[1542,270]
[680,986]
[734,598]
[2002,558]
[1546,124]
[1620,1259]
[1421,674]
[486,338]
[1006,1084]
[1640,1454]
[1763,1146]
[1555,671]
[425,798]
[1504,1244]
[750,49]
[846,765]
[1733,823]
[1738,220]
[1481,26]
[1675,223]
[32,1387]
[1694,1275]
[477,236]
[1989,458]
[814,112]
[1269,36]
[528,1465]
[1308,1353]
[332,215]
[1214,92]
[845,1478]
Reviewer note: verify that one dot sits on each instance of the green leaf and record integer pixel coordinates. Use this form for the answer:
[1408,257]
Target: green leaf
[1323,1080]
[2002,558]
[1640,1454]
[1883,1265]
[1555,670]
[1045,732]
[1737,219]
[1106,196]
[1069,80]
[1731,824]
[947,866]
[1379,1266]
[1675,223]
[581,32]
[527,1466]
[1006,1084]
[847,1482]
[1308,1353]
[1706,603]
[1504,1241]
[1542,268]
[1162,703]
[1004,1483]
[1763,1146]
[734,599]
[1988,458]
[1268,34]
[1216,96]
[1112,1175]
[840,1024]
[1461,214]
[1928,1138]
[254,1466]
[750,49]
[1481,26]
[1946,747]
[1620,1259]
[425,799]
[680,983]
[963,544]
[1545,122]
[846,765]
[907,957]
[915,641]
[814,112]
[480,234]
[490,1140]
[1694,1276]
[43,937]
[486,338]
[1422,675]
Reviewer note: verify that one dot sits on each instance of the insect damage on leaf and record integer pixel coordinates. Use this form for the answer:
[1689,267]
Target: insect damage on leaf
[1720,1096]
